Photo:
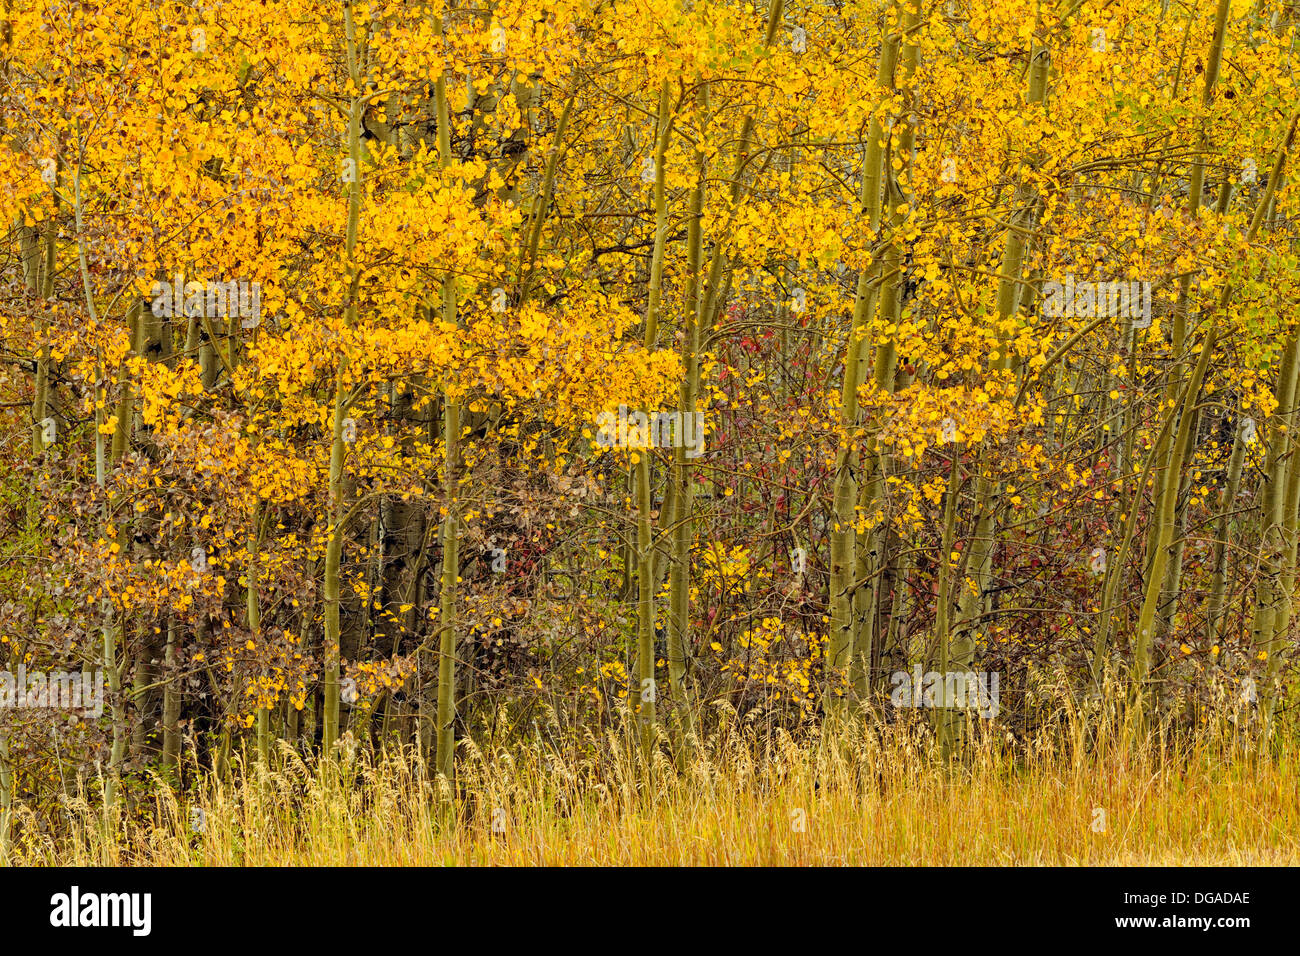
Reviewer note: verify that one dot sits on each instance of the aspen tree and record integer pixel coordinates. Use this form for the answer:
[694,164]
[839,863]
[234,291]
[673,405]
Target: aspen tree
[1169,483]
[641,457]
[444,758]
[708,297]
[1226,503]
[681,514]
[1196,185]
[874,175]
[979,562]
[338,449]
[876,180]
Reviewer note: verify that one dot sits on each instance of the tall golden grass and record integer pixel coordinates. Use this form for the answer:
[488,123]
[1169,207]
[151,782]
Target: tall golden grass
[1086,789]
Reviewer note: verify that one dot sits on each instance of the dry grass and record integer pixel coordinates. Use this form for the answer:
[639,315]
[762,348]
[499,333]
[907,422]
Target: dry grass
[879,796]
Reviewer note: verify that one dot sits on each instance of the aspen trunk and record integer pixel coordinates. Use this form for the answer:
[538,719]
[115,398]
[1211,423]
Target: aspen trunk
[1269,595]
[682,528]
[840,652]
[704,300]
[330,584]
[111,665]
[868,561]
[330,588]
[1219,560]
[444,757]
[1196,187]
[1170,481]
[171,708]
[6,798]
[38,280]
[943,718]
[1174,574]
[646,695]
[1165,514]
[253,613]
[972,601]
